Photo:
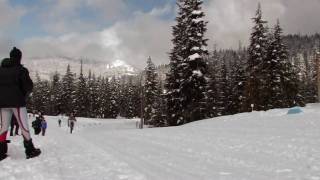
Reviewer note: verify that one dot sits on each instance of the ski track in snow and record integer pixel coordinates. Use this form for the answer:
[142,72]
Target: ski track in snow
[257,146]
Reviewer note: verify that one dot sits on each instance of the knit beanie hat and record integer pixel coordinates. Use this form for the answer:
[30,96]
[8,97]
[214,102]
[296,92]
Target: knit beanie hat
[16,54]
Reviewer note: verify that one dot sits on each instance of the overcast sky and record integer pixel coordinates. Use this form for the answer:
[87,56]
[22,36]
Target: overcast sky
[132,30]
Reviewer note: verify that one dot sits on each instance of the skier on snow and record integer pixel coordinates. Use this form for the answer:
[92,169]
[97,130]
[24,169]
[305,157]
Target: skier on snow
[71,122]
[59,122]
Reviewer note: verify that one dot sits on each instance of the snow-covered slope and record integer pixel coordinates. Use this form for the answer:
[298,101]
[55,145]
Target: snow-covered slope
[256,146]
[47,66]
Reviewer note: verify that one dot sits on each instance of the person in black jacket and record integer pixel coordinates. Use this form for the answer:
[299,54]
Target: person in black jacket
[15,87]
[36,124]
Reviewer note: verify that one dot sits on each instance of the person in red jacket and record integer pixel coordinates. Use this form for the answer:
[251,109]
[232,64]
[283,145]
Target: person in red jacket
[15,87]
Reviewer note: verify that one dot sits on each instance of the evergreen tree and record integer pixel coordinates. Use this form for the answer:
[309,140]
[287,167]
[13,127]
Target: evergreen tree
[255,90]
[186,82]
[81,96]
[292,89]
[194,66]
[114,98]
[68,91]
[123,96]
[212,89]
[92,95]
[174,76]
[277,59]
[137,97]
[130,101]
[223,99]
[238,77]
[104,98]
[159,117]
[56,91]
[46,97]
[96,96]
[37,95]
[150,92]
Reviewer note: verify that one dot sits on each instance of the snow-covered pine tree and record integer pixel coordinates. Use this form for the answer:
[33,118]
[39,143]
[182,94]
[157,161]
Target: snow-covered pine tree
[104,101]
[123,96]
[96,100]
[114,98]
[45,97]
[173,95]
[257,58]
[92,95]
[212,88]
[68,91]
[238,79]
[276,68]
[317,59]
[137,89]
[310,89]
[56,90]
[130,101]
[159,118]
[37,95]
[81,95]
[292,86]
[150,92]
[186,82]
[223,98]
[194,66]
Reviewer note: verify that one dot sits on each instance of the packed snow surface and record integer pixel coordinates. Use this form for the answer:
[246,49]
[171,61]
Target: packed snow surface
[256,146]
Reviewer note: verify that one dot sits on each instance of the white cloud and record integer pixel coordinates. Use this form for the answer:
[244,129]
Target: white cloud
[230,21]
[110,10]
[9,20]
[64,16]
[70,45]
[149,34]
[132,41]
[9,16]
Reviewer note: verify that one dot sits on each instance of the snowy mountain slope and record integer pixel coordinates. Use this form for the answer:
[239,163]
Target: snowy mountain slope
[257,146]
[47,66]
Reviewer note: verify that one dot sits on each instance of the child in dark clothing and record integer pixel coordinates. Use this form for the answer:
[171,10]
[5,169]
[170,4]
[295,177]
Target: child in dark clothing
[36,124]
[43,126]
[14,126]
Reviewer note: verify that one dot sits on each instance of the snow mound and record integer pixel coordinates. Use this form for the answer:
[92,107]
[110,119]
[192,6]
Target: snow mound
[295,110]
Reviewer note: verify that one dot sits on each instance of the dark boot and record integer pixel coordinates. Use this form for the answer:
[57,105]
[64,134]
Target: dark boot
[3,150]
[31,151]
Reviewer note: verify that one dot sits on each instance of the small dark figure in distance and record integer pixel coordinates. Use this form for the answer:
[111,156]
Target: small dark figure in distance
[43,126]
[71,122]
[14,127]
[59,122]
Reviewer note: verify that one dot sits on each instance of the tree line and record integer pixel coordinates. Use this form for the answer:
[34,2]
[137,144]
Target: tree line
[274,71]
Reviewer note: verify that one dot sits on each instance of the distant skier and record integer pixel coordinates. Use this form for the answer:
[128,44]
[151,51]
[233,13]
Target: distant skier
[71,122]
[15,86]
[59,122]
[14,127]
[43,126]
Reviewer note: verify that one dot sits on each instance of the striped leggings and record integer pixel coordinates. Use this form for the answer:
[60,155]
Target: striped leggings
[22,118]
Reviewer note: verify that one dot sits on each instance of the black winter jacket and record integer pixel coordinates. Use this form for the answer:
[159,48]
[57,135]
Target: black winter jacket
[15,84]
